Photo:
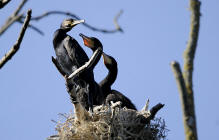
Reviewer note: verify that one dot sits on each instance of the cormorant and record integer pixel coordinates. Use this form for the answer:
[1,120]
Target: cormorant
[106,83]
[69,53]
[93,43]
[71,56]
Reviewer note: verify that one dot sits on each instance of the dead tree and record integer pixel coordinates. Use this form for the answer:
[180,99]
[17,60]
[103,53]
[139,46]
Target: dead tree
[184,79]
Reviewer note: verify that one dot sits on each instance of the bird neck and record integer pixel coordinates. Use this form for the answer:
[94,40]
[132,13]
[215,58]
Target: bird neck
[59,34]
[107,82]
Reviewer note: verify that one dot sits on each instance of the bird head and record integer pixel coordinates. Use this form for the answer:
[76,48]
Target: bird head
[69,23]
[109,61]
[91,42]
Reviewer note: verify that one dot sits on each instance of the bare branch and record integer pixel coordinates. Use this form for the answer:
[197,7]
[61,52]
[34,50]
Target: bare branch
[54,13]
[189,53]
[87,65]
[9,22]
[152,112]
[33,27]
[184,81]
[16,46]
[118,28]
[181,87]
[155,109]
[13,18]
[116,21]
[3,3]
[20,6]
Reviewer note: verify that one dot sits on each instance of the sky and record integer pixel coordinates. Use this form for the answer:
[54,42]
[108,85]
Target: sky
[32,92]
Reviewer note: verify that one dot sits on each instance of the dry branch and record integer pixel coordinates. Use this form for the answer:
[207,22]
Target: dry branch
[181,86]
[15,16]
[118,28]
[155,109]
[184,81]
[87,65]
[20,19]
[31,27]
[16,46]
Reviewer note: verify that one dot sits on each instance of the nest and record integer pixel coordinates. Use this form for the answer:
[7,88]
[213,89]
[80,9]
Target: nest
[111,123]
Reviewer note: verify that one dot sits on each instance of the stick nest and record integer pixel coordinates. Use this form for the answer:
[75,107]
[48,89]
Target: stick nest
[111,123]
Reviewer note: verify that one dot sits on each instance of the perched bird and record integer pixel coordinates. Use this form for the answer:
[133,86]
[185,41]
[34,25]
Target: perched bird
[106,83]
[93,43]
[69,53]
[71,56]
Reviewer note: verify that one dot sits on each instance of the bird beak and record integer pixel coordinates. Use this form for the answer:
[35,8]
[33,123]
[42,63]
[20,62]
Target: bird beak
[76,22]
[87,41]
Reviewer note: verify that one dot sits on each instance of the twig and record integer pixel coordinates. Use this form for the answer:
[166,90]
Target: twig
[118,28]
[145,108]
[16,46]
[116,21]
[20,6]
[32,27]
[9,22]
[155,109]
[88,64]
[3,3]
[13,18]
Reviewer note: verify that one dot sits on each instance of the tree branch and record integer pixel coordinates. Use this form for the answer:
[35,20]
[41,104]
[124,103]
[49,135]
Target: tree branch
[9,22]
[16,46]
[118,28]
[184,81]
[14,17]
[80,69]
[155,109]
[87,65]
[20,6]
[3,3]
[182,90]
[32,27]
[189,53]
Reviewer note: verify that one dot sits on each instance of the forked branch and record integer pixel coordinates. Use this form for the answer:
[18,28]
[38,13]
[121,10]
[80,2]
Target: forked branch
[184,81]
[16,46]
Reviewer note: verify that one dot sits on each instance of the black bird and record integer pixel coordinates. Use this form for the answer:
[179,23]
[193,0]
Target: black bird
[69,53]
[93,43]
[106,83]
[71,56]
